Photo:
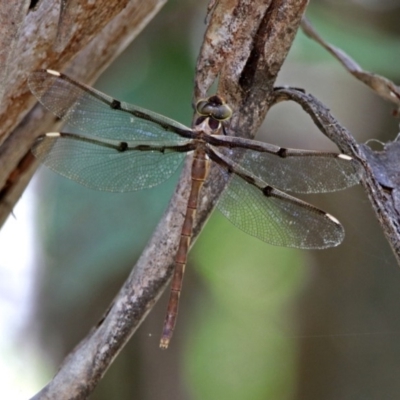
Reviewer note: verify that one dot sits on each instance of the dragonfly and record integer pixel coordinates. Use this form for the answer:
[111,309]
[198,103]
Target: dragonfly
[120,147]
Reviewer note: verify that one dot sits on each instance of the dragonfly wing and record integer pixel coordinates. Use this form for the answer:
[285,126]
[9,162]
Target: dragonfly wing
[275,217]
[300,171]
[95,113]
[104,164]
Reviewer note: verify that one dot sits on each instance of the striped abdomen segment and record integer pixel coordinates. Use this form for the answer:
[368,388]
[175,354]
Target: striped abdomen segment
[199,173]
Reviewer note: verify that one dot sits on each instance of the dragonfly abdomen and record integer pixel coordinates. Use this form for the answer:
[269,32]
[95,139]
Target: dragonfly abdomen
[200,168]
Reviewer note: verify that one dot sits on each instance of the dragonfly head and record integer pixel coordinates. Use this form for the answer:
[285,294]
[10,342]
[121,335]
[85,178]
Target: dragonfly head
[213,111]
[214,107]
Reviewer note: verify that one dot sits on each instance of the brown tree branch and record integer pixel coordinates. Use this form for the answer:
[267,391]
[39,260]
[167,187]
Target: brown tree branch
[87,54]
[379,171]
[12,16]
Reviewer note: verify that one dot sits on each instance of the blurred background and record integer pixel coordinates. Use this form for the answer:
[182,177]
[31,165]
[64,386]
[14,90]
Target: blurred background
[256,321]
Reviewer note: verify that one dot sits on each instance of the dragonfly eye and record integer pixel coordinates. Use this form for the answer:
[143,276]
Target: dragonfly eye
[215,108]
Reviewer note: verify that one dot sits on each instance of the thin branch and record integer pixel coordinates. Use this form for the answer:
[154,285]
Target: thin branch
[381,172]
[381,169]
[379,84]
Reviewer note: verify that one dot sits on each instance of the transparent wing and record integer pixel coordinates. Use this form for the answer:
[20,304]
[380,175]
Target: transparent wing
[300,171]
[95,113]
[275,217]
[104,164]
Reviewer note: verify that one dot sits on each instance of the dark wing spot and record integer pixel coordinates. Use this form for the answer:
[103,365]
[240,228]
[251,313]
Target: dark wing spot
[122,146]
[282,152]
[115,105]
[229,169]
[267,191]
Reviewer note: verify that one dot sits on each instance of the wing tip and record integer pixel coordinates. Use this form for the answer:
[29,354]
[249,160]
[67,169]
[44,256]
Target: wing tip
[345,157]
[53,72]
[333,219]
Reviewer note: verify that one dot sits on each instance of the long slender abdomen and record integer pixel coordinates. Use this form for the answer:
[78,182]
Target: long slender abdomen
[199,174]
